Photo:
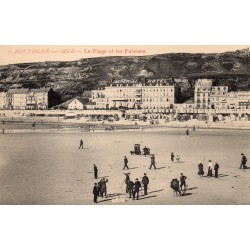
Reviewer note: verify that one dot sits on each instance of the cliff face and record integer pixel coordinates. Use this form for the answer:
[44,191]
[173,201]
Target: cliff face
[71,78]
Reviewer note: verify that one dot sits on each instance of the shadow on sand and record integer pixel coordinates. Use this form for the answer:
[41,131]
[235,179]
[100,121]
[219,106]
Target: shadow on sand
[161,168]
[105,200]
[246,167]
[191,188]
[147,197]
[186,194]
[222,175]
[113,195]
[134,168]
[155,191]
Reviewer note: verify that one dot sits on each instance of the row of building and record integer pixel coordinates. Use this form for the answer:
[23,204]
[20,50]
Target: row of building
[149,95]
[207,96]
[158,95]
[24,98]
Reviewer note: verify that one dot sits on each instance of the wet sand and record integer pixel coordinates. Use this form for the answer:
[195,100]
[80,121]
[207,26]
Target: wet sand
[48,167]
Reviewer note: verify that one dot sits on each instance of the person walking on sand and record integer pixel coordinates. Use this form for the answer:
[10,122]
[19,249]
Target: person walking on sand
[81,144]
[200,169]
[183,181]
[125,163]
[145,182]
[137,186]
[172,157]
[95,192]
[243,161]
[210,170]
[216,169]
[95,171]
[187,132]
[152,162]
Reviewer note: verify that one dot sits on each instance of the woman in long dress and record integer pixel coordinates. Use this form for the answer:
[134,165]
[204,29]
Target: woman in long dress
[200,168]
[210,169]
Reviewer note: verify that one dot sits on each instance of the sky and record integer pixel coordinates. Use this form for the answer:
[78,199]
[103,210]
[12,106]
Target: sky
[11,54]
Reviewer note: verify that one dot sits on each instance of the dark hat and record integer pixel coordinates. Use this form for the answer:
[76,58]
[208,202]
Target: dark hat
[145,174]
[242,154]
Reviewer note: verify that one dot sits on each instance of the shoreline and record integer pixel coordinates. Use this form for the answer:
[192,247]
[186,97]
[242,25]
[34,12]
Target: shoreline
[25,125]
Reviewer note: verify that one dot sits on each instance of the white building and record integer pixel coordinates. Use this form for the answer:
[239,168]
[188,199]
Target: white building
[218,97]
[202,93]
[42,98]
[38,98]
[75,104]
[238,99]
[151,94]
[99,97]
[16,98]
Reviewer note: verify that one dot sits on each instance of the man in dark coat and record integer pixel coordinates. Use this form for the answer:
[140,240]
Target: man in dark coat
[183,181]
[137,186]
[152,162]
[216,169]
[95,192]
[100,194]
[172,157]
[104,187]
[127,179]
[81,144]
[125,163]
[130,188]
[95,171]
[145,182]
[243,161]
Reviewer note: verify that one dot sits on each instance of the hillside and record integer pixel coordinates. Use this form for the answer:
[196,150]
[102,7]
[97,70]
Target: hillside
[71,78]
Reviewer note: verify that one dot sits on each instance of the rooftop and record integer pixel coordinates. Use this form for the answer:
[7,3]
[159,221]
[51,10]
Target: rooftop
[18,91]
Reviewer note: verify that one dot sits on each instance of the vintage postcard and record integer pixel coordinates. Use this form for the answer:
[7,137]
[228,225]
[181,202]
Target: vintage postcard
[124,125]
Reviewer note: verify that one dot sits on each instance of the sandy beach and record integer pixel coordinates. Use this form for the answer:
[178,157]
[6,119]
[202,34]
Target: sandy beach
[46,167]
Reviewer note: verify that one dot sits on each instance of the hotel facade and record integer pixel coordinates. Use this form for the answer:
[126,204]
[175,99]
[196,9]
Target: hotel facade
[150,95]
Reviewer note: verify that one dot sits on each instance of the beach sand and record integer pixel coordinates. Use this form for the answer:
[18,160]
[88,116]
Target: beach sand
[47,167]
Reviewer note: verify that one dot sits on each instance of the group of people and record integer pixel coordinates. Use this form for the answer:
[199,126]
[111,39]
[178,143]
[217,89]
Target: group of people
[179,186]
[133,188]
[100,189]
[152,162]
[210,169]
[173,158]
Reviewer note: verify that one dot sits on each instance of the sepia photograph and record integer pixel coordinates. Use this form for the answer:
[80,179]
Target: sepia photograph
[124,125]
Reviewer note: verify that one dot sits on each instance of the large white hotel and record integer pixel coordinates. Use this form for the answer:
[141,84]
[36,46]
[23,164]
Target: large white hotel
[147,94]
